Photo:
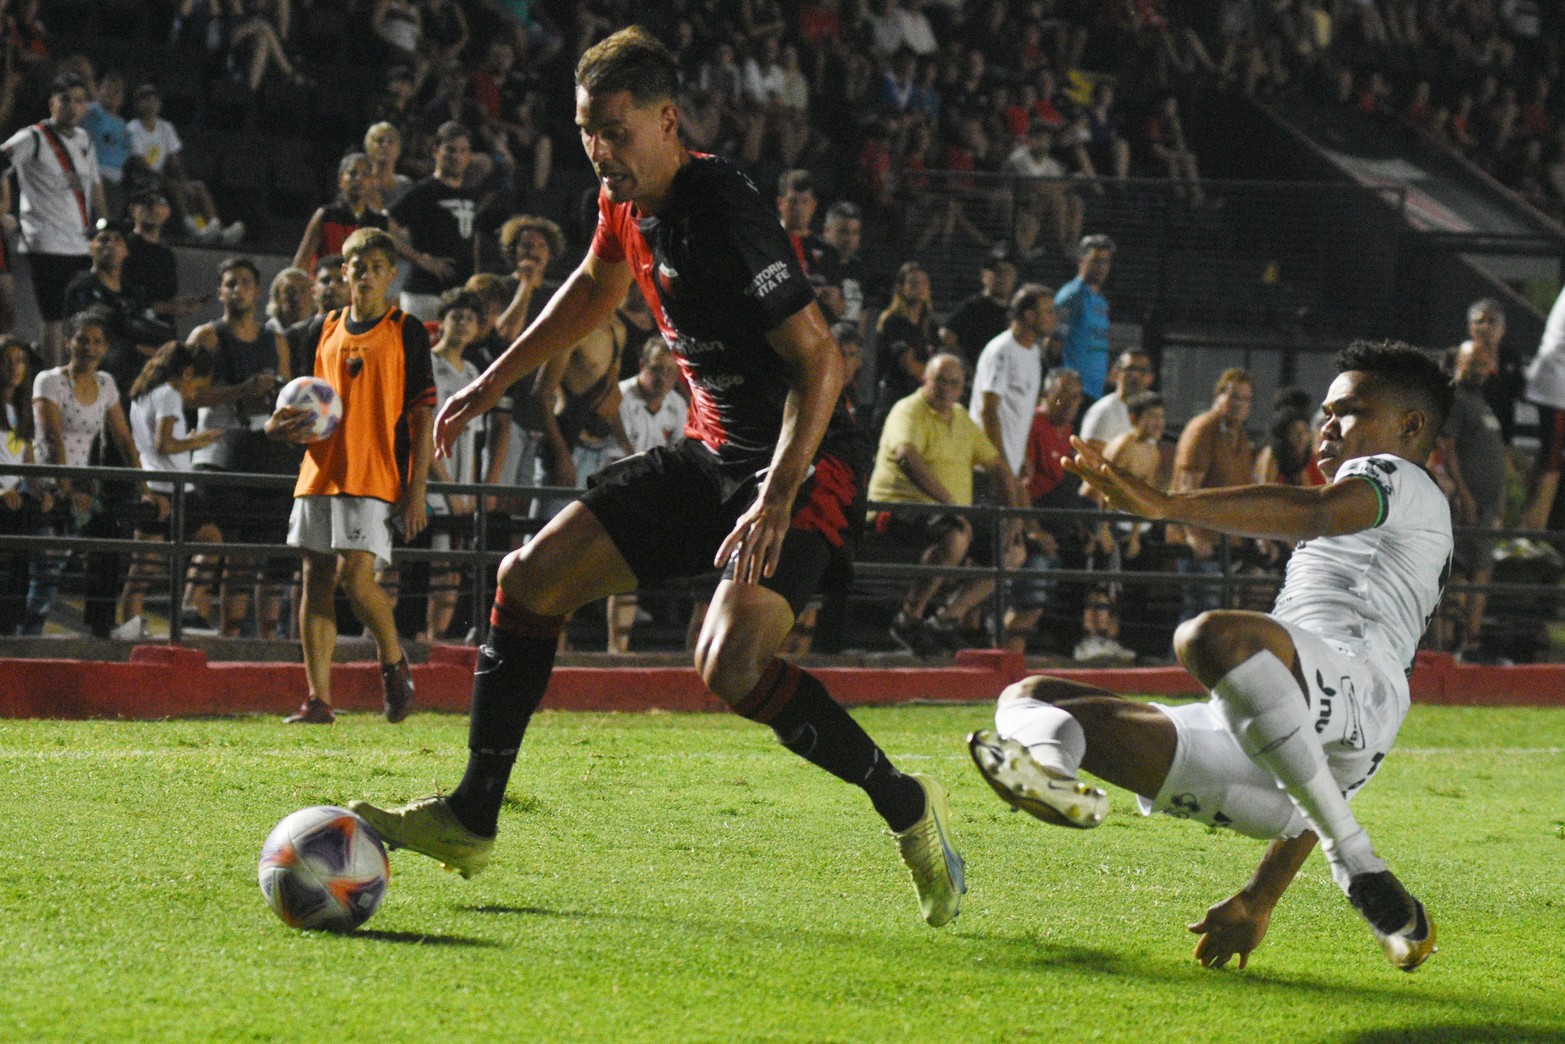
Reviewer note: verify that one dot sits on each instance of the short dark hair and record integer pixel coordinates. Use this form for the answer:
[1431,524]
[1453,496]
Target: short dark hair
[1027,296]
[332,261]
[146,90]
[1411,371]
[796,180]
[631,60]
[67,81]
[457,298]
[231,263]
[451,130]
[1094,242]
[651,344]
[844,210]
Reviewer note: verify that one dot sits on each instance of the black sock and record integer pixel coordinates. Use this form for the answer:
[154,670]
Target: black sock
[814,726]
[509,680]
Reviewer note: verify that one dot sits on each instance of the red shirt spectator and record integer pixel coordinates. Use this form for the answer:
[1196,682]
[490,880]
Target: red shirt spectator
[1047,442]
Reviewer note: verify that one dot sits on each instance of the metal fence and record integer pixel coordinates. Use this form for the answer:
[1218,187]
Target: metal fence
[880,578]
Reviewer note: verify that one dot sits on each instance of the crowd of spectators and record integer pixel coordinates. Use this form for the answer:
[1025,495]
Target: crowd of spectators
[847,108]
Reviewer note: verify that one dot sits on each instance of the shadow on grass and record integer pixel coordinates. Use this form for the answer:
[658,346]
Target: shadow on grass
[1483,1033]
[531,911]
[424,938]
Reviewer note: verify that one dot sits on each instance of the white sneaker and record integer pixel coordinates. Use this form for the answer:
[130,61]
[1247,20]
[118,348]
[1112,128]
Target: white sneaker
[1022,783]
[133,630]
[1091,647]
[233,235]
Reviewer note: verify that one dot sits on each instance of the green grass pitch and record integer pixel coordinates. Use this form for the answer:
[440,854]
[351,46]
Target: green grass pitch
[682,878]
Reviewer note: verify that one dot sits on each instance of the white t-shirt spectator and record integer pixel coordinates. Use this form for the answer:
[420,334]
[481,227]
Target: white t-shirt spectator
[154,146]
[146,417]
[763,84]
[56,204]
[1106,419]
[1023,162]
[80,424]
[917,34]
[645,428]
[463,462]
[1014,372]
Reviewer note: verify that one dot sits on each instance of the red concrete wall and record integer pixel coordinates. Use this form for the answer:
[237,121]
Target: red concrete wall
[169,681]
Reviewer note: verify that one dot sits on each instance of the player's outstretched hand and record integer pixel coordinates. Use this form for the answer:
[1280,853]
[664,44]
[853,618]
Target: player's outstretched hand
[1231,928]
[1123,490]
[460,410]
[757,540]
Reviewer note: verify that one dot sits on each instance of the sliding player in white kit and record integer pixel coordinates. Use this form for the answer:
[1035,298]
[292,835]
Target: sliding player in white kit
[1306,700]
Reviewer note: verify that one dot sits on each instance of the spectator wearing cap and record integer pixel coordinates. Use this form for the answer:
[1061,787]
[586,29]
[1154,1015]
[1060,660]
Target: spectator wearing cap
[133,335]
[155,155]
[149,263]
[1083,314]
[61,196]
[979,318]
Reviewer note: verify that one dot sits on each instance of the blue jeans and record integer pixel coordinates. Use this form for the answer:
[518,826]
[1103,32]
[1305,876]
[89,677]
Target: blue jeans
[1198,594]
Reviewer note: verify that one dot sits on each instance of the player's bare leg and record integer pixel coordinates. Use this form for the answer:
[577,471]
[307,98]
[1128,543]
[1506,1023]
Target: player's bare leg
[317,635]
[1048,729]
[376,609]
[1249,662]
[572,561]
[736,655]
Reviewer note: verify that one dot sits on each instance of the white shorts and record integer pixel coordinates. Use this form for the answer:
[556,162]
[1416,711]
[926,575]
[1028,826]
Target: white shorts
[332,525]
[1357,706]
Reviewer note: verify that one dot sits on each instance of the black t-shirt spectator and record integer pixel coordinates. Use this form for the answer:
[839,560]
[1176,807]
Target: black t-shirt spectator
[152,267]
[440,221]
[976,321]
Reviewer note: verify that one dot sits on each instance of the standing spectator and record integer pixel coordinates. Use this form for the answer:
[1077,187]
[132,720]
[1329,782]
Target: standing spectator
[1110,417]
[1546,389]
[351,491]
[1474,455]
[1010,373]
[905,338]
[1137,451]
[132,338]
[576,400]
[928,450]
[651,414]
[1213,452]
[149,264]
[156,147]
[289,299]
[61,196]
[796,204]
[1084,314]
[979,318]
[331,225]
[249,362]
[73,406]
[385,185]
[452,372]
[110,137]
[530,244]
[440,215]
[842,267]
[157,423]
[23,504]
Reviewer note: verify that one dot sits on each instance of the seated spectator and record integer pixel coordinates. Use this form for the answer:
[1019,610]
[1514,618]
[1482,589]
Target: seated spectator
[250,44]
[1043,199]
[331,225]
[399,25]
[1138,451]
[1167,147]
[928,450]
[155,147]
[1108,151]
[110,136]
[1110,416]
[157,423]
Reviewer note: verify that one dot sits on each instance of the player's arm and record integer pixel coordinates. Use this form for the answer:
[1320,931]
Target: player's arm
[1276,512]
[584,302]
[814,362]
[1236,926]
[310,242]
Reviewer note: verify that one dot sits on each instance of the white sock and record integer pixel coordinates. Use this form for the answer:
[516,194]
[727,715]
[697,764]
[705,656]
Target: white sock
[1265,710]
[1052,736]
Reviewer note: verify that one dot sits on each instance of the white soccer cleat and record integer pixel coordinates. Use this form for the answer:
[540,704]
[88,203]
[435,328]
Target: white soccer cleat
[1024,784]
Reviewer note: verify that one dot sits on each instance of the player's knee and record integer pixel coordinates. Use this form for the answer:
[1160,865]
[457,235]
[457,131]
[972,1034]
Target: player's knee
[1215,642]
[1039,687]
[728,672]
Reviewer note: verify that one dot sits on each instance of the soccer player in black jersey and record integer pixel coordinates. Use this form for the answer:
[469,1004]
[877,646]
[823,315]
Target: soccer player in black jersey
[761,488]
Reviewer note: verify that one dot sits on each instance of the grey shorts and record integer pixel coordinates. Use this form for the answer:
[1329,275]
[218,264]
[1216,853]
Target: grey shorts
[332,525]
[1357,706]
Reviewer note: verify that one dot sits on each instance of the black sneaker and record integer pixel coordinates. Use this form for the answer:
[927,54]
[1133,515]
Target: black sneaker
[311,712]
[944,634]
[397,681]
[913,636]
[1399,921]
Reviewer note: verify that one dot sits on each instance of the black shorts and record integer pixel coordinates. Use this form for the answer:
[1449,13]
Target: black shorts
[669,509]
[51,274]
[915,531]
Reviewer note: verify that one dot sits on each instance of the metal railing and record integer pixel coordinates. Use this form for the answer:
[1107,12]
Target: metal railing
[481,558]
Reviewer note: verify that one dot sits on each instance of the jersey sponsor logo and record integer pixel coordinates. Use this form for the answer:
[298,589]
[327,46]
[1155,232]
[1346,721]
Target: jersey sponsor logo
[465,211]
[768,279]
[1344,697]
[690,347]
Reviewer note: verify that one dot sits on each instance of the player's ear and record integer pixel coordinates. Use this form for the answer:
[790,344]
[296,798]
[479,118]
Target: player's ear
[1415,422]
[669,119]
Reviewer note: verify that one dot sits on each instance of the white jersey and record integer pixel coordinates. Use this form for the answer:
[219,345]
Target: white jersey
[1376,590]
[1014,372]
[56,207]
